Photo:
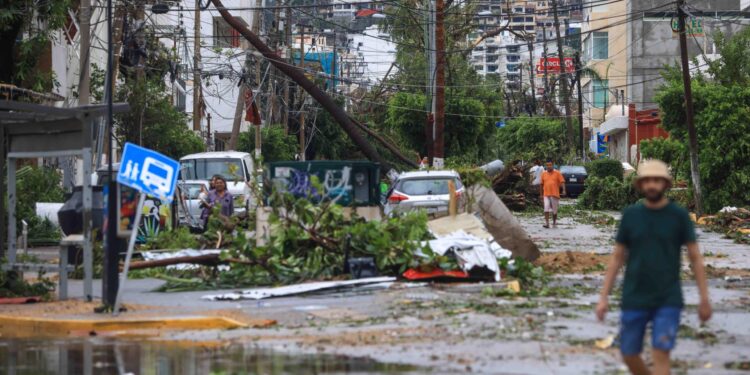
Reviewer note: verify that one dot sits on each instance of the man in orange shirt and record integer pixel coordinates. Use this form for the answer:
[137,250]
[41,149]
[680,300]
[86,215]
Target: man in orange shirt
[552,182]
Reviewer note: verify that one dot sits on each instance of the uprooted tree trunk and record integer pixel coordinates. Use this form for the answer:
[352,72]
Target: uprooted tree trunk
[500,222]
[298,76]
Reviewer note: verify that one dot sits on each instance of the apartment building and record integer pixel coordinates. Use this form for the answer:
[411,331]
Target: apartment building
[628,44]
[604,41]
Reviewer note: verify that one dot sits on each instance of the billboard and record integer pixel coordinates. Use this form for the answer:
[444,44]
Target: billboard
[552,65]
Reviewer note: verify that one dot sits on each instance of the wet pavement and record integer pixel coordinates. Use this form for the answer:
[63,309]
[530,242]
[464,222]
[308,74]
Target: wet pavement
[108,356]
[450,328]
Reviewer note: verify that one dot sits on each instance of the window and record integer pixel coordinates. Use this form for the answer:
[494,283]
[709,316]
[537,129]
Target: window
[513,49]
[427,186]
[529,28]
[600,46]
[513,58]
[518,10]
[224,35]
[512,67]
[600,93]
[203,169]
[517,19]
[529,19]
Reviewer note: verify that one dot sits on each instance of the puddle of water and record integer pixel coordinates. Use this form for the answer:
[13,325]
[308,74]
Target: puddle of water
[108,356]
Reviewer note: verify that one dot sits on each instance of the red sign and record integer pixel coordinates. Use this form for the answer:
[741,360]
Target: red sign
[552,65]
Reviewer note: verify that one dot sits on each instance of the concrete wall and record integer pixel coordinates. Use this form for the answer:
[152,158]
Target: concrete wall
[653,45]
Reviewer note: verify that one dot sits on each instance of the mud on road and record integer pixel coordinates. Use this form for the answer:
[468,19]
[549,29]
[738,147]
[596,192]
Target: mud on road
[479,328]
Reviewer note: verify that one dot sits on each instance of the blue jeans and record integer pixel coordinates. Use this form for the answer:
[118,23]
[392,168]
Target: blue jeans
[665,321]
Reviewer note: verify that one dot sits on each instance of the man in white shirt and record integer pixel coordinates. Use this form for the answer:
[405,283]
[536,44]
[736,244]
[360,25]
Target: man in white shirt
[536,173]
[535,177]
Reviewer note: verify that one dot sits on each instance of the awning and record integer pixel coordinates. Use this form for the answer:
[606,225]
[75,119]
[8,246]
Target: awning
[614,125]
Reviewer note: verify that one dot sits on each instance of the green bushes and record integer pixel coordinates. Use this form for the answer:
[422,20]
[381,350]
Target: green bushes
[607,193]
[532,138]
[670,151]
[603,168]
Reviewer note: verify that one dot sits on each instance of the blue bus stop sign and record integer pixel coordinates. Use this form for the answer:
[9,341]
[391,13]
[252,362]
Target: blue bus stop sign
[148,172]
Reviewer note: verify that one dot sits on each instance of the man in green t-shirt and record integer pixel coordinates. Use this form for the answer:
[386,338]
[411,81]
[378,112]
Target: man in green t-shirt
[649,243]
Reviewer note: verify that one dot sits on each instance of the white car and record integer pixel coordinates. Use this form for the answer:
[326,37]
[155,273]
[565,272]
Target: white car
[422,190]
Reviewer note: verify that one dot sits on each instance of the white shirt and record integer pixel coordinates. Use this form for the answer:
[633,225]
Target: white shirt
[536,174]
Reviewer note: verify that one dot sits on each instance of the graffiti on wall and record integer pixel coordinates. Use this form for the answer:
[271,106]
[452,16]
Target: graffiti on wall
[332,184]
[156,215]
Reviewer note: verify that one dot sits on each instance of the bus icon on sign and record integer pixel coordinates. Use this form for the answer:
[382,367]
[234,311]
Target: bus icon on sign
[157,175]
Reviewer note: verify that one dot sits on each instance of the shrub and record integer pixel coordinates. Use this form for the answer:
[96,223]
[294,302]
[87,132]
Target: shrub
[607,193]
[532,138]
[670,151]
[604,168]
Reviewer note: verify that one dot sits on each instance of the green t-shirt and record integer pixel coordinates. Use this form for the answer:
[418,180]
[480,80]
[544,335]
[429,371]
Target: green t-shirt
[653,239]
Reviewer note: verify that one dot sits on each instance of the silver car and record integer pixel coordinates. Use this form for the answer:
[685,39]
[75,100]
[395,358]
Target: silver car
[189,204]
[422,190]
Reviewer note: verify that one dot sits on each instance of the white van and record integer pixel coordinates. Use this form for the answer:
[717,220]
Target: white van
[236,167]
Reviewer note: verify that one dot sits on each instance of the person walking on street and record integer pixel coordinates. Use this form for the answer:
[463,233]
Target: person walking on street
[551,183]
[649,242]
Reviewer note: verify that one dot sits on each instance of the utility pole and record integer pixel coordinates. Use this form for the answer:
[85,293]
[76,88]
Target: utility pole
[302,135]
[439,80]
[84,82]
[197,68]
[333,69]
[429,49]
[563,79]
[580,106]
[689,112]
[208,131]
[532,77]
[521,90]
[544,58]
[288,42]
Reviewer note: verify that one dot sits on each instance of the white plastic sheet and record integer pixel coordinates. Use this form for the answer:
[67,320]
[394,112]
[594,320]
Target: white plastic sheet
[290,290]
[471,251]
[159,255]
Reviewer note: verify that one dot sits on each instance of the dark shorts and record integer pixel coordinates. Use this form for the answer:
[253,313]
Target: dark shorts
[665,321]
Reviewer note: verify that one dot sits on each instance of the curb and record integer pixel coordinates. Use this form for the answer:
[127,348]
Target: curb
[14,326]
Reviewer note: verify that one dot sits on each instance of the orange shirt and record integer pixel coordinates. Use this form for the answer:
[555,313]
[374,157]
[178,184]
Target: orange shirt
[552,182]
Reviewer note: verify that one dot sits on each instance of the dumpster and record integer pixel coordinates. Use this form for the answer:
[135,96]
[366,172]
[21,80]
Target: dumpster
[347,183]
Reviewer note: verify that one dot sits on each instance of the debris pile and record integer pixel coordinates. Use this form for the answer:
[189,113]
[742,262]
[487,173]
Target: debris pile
[512,185]
[313,241]
[733,221]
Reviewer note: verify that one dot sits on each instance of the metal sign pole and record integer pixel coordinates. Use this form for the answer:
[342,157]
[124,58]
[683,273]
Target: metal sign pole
[131,245]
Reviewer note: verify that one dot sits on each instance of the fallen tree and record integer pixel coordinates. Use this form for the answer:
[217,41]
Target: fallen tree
[298,76]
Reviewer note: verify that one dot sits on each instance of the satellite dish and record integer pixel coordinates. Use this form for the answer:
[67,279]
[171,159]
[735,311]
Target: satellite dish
[160,8]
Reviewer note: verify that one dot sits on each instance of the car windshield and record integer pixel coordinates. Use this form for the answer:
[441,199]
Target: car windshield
[427,186]
[204,169]
[576,169]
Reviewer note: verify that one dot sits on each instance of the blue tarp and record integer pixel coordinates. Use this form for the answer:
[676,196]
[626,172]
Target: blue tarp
[325,59]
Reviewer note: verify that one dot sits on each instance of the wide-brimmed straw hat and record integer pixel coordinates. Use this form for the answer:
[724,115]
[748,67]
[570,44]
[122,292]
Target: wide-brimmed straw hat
[653,168]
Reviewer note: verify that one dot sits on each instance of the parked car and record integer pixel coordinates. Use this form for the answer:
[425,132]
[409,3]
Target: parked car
[189,207]
[235,167]
[425,190]
[575,176]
